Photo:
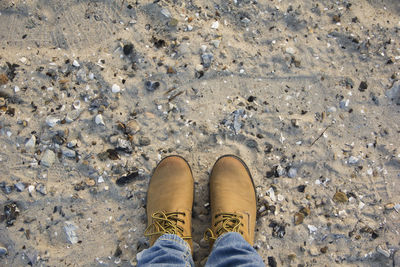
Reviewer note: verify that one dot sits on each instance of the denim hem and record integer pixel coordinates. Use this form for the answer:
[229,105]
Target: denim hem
[177,239]
[223,236]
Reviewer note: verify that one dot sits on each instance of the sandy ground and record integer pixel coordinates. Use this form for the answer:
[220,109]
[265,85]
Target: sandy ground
[94,93]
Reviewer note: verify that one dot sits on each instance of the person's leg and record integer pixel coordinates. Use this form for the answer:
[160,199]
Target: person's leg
[233,214]
[231,249]
[168,250]
[169,215]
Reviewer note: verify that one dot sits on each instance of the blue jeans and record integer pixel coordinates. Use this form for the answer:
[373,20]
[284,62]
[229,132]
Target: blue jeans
[230,249]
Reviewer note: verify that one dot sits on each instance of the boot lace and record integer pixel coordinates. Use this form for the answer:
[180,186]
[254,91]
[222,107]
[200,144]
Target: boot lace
[228,222]
[166,223]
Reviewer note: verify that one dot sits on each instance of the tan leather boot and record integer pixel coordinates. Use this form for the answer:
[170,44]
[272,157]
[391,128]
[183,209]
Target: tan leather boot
[170,200]
[233,199]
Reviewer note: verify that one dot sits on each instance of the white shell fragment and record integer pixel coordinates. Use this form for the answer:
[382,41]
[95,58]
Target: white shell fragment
[99,120]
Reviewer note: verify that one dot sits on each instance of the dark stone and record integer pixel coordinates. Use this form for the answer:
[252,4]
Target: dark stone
[124,180]
[58,139]
[144,141]
[251,143]
[7,189]
[272,262]
[152,86]
[271,173]
[118,252]
[11,213]
[159,43]
[324,249]
[374,99]
[206,59]
[199,74]
[268,148]
[112,154]
[278,229]
[301,188]
[369,230]
[52,74]
[375,235]
[336,18]
[80,186]
[11,70]
[128,49]
[10,111]
[363,86]
[251,98]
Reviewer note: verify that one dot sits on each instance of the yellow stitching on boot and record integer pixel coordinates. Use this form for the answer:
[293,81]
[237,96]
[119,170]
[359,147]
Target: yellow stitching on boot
[229,222]
[166,223]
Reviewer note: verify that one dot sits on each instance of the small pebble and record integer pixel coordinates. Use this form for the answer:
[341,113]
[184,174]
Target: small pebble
[31,188]
[132,127]
[251,144]
[216,43]
[30,144]
[280,171]
[20,186]
[76,104]
[99,119]
[52,121]
[353,160]
[314,251]
[312,229]
[165,12]
[41,188]
[48,158]
[152,86]
[272,262]
[72,115]
[344,103]
[331,109]
[124,145]
[76,64]
[292,172]
[215,25]
[70,231]
[207,59]
[298,218]
[363,86]
[115,88]
[340,197]
[72,143]
[301,188]
[382,251]
[290,50]
[3,251]
[6,188]
[69,153]
[128,49]
[124,180]
[144,141]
